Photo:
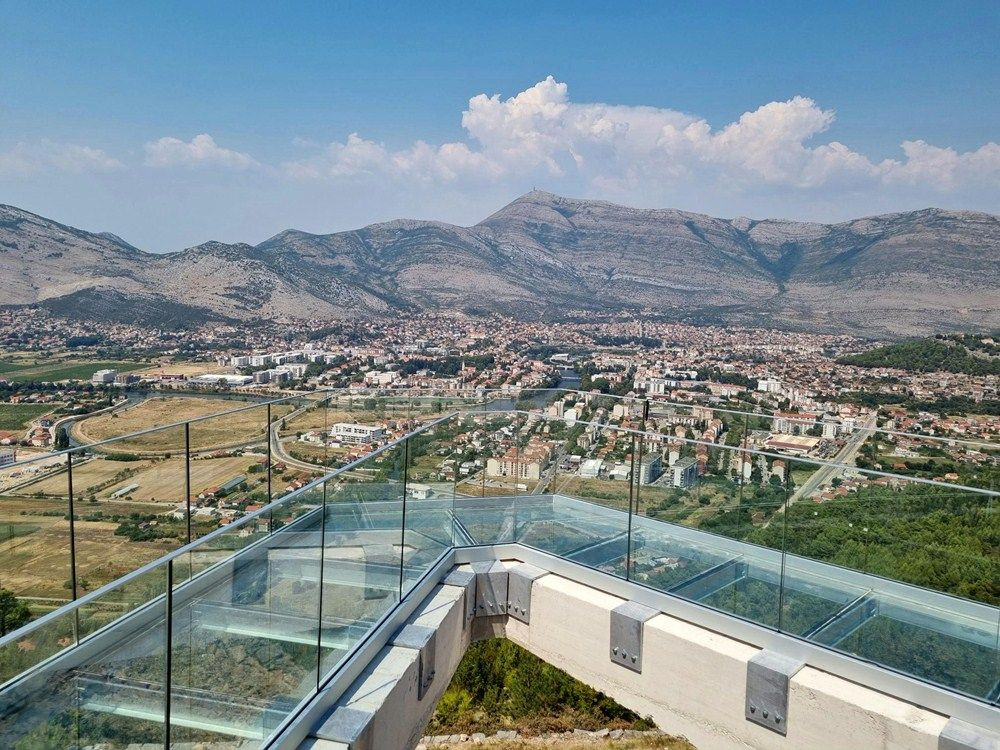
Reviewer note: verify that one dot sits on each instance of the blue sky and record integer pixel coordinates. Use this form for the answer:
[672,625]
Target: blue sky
[176,123]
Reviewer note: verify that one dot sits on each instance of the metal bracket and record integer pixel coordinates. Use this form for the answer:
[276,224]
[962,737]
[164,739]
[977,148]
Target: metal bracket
[351,726]
[627,621]
[491,588]
[961,735]
[465,579]
[422,639]
[519,583]
[768,675]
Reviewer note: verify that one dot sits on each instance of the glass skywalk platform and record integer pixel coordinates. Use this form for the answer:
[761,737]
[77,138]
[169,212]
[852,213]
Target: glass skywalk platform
[223,640]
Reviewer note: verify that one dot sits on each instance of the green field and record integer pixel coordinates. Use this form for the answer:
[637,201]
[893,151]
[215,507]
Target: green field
[66,370]
[8,366]
[16,416]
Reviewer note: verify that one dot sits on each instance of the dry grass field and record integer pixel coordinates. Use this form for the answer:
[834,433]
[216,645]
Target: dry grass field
[217,432]
[39,565]
[87,476]
[160,481]
[164,480]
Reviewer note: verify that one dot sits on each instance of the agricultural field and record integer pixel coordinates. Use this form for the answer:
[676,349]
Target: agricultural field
[163,481]
[34,547]
[160,480]
[68,369]
[226,430]
[18,416]
[89,476]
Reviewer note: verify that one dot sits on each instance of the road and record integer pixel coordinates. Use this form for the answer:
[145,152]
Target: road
[278,451]
[826,474]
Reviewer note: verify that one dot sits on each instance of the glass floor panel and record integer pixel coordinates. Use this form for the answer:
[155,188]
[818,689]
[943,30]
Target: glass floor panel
[925,653]
[759,600]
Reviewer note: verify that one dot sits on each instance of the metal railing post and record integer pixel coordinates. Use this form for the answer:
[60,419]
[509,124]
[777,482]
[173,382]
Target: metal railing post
[402,530]
[784,550]
[187,476]
[168,653]
[628,535]
[72,544]
[270,460]
[319,616]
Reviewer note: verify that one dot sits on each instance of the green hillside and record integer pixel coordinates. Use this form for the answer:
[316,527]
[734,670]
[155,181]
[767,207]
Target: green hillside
[944,354]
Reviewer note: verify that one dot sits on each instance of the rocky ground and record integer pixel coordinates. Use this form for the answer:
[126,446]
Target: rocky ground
[578,739]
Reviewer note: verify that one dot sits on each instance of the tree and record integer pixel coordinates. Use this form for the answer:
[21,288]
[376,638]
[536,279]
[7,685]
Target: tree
[13,612]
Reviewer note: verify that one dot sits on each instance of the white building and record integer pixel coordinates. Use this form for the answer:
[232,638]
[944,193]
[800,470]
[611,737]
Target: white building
[296,370]
[103,377]
[348,432]
[769,385]
[218,381]
[684,472]
[7,456]
[591,468]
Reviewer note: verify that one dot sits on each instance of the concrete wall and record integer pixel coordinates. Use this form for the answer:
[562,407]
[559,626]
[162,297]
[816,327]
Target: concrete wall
[693,680]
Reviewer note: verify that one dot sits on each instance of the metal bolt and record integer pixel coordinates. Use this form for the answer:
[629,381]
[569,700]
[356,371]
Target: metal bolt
[777,719]
[615,651]
[764,714]
[624,654]
[753,709]
[633,658]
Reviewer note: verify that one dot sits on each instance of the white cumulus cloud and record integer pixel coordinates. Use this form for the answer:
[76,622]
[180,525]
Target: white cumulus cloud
[26,158]
[541,134]
[200,150]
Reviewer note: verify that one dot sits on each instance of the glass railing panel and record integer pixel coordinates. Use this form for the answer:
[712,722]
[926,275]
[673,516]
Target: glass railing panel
[121,691]
[593,462]
[932,535]
[129,497]
[134,592]
[365,511]
[432,470]
[246,632]
[302,433]
[38,645]
[111,695]
[36,572]
[484,500]
[361,564]
[229,464]
[581,531]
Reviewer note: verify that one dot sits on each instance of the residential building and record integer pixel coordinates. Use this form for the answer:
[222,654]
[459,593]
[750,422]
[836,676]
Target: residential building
[684,472]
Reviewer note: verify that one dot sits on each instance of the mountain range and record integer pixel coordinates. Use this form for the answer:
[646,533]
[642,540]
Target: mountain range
[540,257]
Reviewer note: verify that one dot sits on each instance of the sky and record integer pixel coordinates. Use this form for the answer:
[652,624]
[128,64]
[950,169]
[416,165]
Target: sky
[171,124]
